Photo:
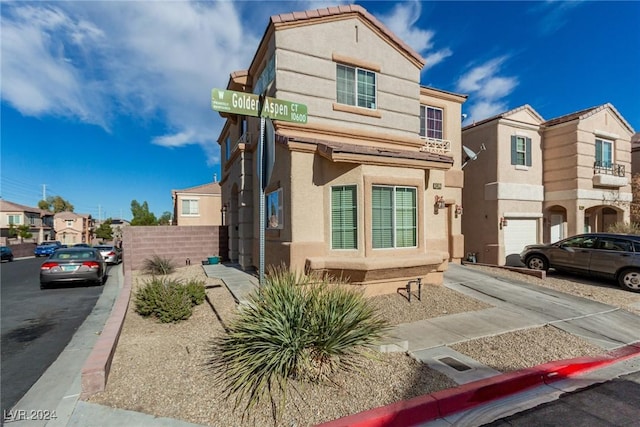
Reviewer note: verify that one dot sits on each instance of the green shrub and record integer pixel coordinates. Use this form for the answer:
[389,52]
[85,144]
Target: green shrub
[626,228]
[168,300]
[158,265]
[196,291]
[296,326]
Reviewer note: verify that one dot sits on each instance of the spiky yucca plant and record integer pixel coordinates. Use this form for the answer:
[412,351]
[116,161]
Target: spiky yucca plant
[158,265]
[298,326]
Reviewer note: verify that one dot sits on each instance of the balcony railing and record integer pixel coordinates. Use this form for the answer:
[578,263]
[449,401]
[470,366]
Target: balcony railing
[434,145]
[606,168]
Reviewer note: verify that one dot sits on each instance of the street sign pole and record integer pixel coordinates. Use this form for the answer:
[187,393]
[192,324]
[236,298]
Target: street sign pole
[262,220]
[249,104]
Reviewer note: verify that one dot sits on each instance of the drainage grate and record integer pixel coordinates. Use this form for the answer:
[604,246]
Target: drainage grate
[454,363]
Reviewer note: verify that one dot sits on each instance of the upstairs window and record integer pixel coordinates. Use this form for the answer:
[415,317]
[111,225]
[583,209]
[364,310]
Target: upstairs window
[190,207]
[355,86]
[431,122]
[394,217]
[520,150]
[604,153]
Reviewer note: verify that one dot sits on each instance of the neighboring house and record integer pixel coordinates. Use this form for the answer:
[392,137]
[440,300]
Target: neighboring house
[540,181]
[39,221]
[370,187]
[635,182]
[116,230]
[201,205]
[72,228]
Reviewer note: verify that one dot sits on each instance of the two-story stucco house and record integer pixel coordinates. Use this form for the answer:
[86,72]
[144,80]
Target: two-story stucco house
[370,187]
[201,205]
[540,181]
[72,228]
[40,222]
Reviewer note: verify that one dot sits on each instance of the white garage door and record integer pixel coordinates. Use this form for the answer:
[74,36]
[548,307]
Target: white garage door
[519,233]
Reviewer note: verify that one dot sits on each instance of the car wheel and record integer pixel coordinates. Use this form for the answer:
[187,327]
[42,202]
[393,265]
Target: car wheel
[43,286]
[537,262]
[630,280]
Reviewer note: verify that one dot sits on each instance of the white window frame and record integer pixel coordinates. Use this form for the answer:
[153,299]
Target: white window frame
[354,92]
[190,213]
[394,211]
[604,163]
[424,122]
[69,222]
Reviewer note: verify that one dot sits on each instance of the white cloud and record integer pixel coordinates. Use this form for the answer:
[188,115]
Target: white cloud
[402,21]
[151,61]
[437,57]
[482,109]
[486,88]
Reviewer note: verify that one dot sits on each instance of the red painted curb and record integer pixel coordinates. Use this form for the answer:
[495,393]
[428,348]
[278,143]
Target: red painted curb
[436,405]
[95,370]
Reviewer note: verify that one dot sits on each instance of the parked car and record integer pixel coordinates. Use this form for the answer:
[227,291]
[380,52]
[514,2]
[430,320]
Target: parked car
[111,254]
[82,245]
[46,248]
[608,255]
[73,265]
[6,253]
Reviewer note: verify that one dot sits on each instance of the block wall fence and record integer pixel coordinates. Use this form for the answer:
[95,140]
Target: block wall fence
[176,243]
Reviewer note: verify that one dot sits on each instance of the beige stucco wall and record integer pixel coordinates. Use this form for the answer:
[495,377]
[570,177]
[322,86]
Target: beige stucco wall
[306,73]
[209,209]
[559,182]
[569,156]
[494,188]
[306,57]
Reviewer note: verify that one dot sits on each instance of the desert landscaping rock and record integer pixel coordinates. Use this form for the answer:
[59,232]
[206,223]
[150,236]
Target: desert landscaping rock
[161,369]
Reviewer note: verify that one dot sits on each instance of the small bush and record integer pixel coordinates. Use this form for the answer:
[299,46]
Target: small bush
[158,265]
[625,228]
[169,300]
[196,291]
[298,326]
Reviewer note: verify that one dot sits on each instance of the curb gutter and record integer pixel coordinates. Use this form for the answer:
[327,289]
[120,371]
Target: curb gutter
[97,366]
[443,403]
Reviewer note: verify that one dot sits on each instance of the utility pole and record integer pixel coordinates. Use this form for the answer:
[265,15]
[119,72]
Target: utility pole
[44,191]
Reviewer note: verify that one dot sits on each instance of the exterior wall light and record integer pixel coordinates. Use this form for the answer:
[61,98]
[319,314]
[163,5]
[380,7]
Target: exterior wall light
[439,204]
[458,210]
[503,222]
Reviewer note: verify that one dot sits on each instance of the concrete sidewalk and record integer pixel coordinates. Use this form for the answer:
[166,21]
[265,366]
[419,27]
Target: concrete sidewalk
[515,306]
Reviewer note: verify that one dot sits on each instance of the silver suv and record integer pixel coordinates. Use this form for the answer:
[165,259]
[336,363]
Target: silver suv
[609,255]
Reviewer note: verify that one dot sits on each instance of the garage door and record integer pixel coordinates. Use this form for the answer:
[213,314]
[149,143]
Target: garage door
[519,233]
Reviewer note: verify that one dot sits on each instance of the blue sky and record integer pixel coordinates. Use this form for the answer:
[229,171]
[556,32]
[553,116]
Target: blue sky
[108,102]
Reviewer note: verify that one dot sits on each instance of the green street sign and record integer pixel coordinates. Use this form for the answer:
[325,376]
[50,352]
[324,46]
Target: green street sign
[279,109]
[248,104]
[230,101]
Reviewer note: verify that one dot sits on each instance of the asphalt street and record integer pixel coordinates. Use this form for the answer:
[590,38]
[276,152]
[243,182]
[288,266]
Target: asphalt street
[613,403]
[36,324]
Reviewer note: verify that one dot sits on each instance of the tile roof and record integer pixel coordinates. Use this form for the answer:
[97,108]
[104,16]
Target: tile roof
[285,18]
[70,215]
[505,114]
[587,112]
[341,147]
[7,206]
[210,188]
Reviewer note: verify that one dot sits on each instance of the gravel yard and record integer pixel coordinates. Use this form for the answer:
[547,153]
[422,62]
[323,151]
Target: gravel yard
[160,369]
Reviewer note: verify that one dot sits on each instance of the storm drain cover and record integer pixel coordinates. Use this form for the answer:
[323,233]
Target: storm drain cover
[454,363]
